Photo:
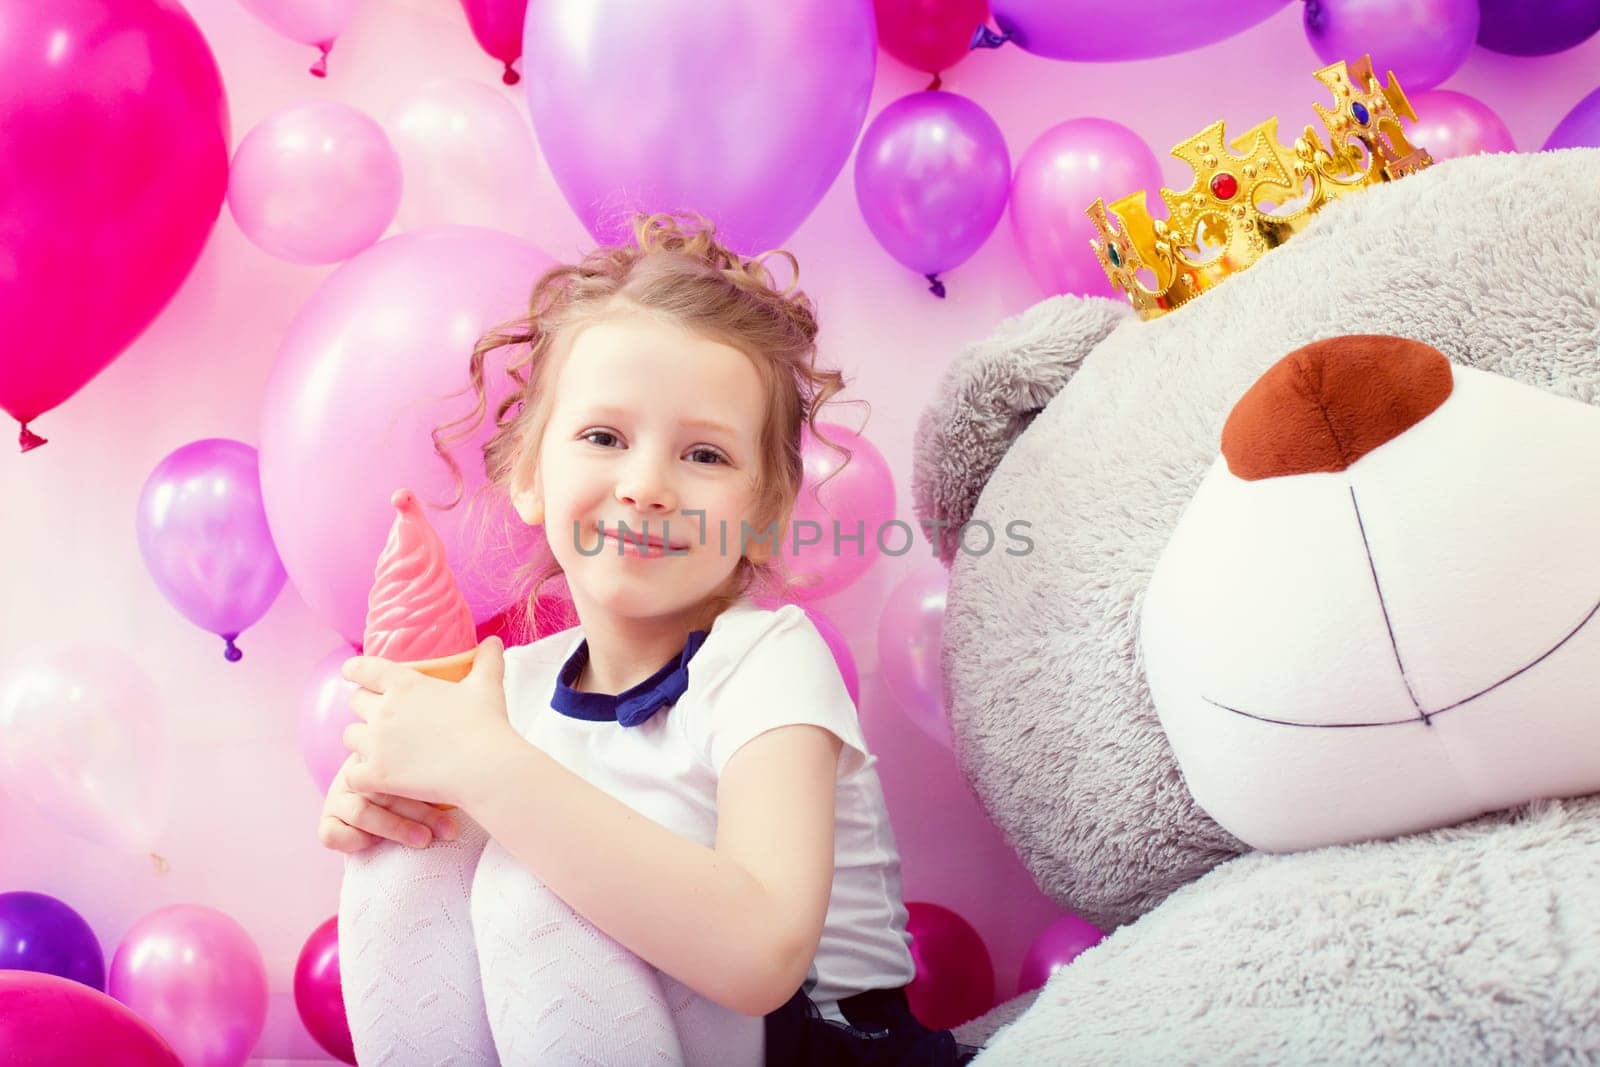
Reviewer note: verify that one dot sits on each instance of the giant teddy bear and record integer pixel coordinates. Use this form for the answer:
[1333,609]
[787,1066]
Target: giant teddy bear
[1135,700]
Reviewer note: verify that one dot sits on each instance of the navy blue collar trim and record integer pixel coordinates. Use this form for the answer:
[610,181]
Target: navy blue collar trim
[632,706]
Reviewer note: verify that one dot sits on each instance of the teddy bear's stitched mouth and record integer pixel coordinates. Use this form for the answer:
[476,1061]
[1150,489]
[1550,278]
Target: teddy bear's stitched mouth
[1424,717]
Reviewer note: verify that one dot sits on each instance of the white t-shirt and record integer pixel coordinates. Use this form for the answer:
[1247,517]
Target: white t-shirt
[756,670]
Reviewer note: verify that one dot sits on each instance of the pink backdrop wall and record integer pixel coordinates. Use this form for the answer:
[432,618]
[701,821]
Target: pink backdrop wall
[241,837]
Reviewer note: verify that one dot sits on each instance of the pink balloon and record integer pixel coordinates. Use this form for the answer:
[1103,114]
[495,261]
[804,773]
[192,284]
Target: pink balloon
[858,500]
[744,112]
[313,22]
[955,976]
[364,375]
[1056,946]
[1422,41]
[910,642]
[86,742]
[47,1021]
[841,652]
[322,714]
[203,534]
[315,183]
[930,35]
[112,173]
[1056,180]
[497,25]
[1451,124]
[196,976]
[318,995]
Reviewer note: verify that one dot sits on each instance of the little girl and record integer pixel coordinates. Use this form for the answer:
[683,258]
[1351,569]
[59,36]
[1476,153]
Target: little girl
[663,838]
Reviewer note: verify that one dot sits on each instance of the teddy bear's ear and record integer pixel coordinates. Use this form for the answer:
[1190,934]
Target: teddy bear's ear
[989,395]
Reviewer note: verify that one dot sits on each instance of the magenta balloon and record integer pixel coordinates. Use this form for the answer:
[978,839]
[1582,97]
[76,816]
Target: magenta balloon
[841,652]
[365,373]
[1422,41]
[1129,29]
[955,976]
[1580,127]
[111,175]
[1451,124]
[930,35]
[932,176]
[1056,946]
[196,976]
[744,112]
[1056,180]
[1519,28]
[204,537]
[497,25]
[859,500]
[317,993]
[50,1021]
[321,716]
[315,183]
[910,643]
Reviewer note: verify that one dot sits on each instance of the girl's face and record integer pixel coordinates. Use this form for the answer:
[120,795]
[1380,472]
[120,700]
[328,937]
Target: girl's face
[658,429]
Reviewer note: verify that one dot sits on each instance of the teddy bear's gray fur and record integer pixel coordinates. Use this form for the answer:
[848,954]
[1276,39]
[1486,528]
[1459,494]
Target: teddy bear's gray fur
[1477,943]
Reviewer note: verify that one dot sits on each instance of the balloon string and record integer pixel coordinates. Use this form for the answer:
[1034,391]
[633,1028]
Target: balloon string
[160,862]
[320,67]
[232,654]
[937,288]
[984,37]
[510,77]
[29,440]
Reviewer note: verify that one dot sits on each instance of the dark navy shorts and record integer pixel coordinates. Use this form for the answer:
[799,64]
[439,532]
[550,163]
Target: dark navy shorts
[881,1032]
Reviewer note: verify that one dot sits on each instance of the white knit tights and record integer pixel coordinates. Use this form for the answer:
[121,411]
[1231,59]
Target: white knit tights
[456,955]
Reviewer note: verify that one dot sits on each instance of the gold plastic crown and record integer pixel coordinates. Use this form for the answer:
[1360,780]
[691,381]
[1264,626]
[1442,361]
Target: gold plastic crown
[1246,202]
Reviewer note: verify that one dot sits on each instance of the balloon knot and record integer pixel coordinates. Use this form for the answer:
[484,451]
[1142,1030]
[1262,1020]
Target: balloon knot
[320,67]
[160,863]
[937,288]
[510,77]
[232,655]
[934,85]
[29,440]
[984,37]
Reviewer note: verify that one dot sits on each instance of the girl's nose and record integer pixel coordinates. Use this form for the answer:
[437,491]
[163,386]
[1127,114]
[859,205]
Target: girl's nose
[645,487]
[1324,406]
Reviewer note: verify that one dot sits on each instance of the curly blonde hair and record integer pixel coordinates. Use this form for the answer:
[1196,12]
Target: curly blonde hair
[676,269]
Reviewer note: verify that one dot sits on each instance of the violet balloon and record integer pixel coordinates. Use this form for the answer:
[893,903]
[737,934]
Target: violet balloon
[1580,127]
[40,933]
[197,977]
[111,176]
[1422,41]
[1451,124]
[910,643]
[1056,946]
[1056,180]
[318,995]
[497,25]
[955,977]
[372,364]
[835,529]
[930,35]
[315,183]
[49,1020]
[744,112]
[1130,29]
[932,176]
[322,715]
[313,22]
[204,537]
[1519,28]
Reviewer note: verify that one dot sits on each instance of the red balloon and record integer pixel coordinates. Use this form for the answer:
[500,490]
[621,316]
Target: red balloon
[930,35]
[497,24]
[955,976]
[48,1021]
[318,995]
[113,165]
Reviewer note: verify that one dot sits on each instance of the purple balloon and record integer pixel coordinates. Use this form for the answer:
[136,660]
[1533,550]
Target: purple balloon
[196,976]
[318,994]
[1520,28]
[324,712]
[842,514]
[48,1021]
[1451,124]
[1131,29]
[1422,41]
[40,933]
[1057,178]
[1056,946]
[744,112]
[910,645]
[1581,126]
[203,533]
[932,176]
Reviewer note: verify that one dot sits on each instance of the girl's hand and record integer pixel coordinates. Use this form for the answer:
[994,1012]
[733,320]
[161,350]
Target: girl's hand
[423,738]
[353,821]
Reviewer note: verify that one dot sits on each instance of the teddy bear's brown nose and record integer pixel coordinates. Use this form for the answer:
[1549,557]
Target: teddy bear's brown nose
[1324,406]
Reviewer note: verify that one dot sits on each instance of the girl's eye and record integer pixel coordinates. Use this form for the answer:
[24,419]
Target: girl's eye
[716,457]
[599,433]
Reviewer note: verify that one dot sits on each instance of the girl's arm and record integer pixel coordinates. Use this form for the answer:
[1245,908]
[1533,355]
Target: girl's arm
[739,923]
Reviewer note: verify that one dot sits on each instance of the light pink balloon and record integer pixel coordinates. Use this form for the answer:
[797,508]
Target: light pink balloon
[195,975]
[313,22]
[1054,183]
[910,642]
[315,183]
[1451,124]
[859,499]
[375,360]
[322,714]
[84,739]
